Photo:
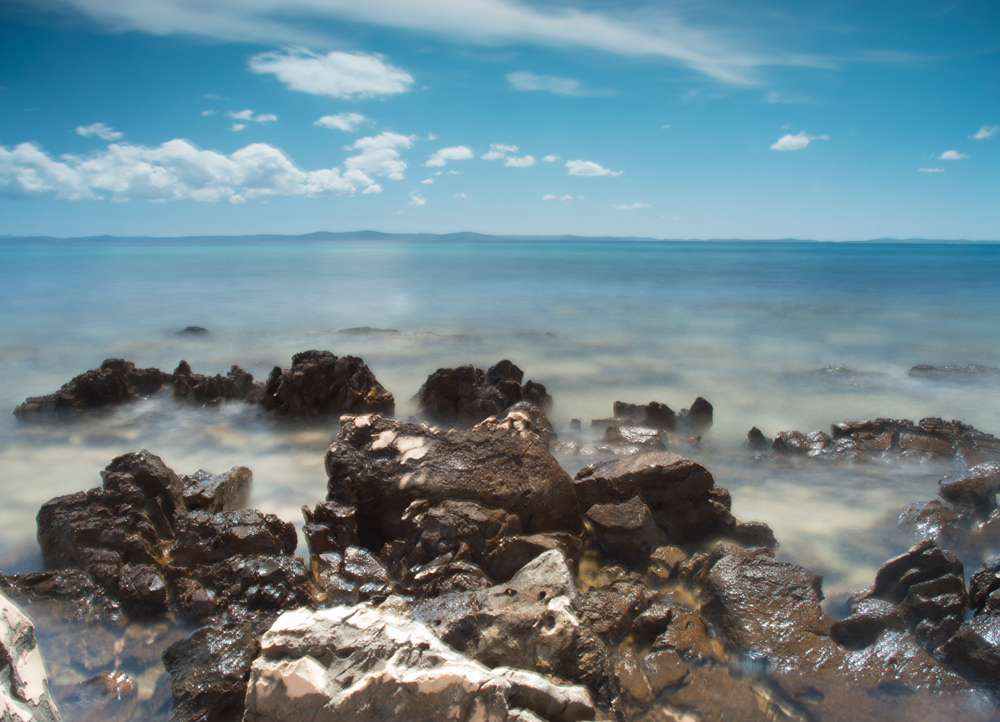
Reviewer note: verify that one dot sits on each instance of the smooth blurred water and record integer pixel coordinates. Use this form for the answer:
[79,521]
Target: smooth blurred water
[746,325]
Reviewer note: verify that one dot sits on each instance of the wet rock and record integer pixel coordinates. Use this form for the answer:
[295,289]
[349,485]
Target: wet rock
[142,590]
[935,521]
[757,441]
[330,526]
[203,538]
[24,688]
[462,529]
[983,585]
[687,635]
[771,610]
[116,382]
[626,530]
[975,490]
[974,652]
[106,697]
[610,611]
[237,385]
[696,419]
[869,618]
[663,561]
[464,396]
[217,492]
[713,695]
[64,595]
[381,466]
[320,383]
[514,552]
[209,672]
[192,331]
[355,663]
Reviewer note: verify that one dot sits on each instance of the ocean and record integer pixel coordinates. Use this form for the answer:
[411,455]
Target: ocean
[754,327]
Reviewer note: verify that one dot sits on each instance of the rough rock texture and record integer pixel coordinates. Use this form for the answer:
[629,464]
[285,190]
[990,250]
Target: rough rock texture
[209,672]
[353,663]
[217,492]
[889,440]
[381,466]
[771,611]
[464,396]
[237,385]
[24,689]
[626,530]
[117,381]
[679,493]
[320,383]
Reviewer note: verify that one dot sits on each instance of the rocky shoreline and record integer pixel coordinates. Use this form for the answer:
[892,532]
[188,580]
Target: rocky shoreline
[458,572]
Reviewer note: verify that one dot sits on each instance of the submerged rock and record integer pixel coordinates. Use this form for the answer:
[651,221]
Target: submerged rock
[106,697]
[320,383]
[956,372]
[24,687]
[353,663]
[464,396]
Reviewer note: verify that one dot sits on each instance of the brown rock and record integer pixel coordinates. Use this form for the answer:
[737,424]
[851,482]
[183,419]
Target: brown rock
[320,383]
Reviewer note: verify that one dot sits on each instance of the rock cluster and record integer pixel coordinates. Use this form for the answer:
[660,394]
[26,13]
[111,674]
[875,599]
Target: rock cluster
[464,396]
[319,382]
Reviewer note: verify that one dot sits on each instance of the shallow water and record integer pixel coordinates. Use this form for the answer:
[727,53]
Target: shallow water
[746,325]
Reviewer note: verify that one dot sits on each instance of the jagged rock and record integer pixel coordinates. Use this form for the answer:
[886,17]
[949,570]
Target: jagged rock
[353,663]
[771,610]
[626,530]
[514,552]
[664,560]
[611,610]
[320,383]
[24,687]
[209,672]
[203,538]
[237,385]
[381,466]
[212,493]
[696,419]
[116,382]
[869,618]
[105,697]
[983,585]
[464,396]
[975,490]
[974,652]
[757,441]
[935,521]
[65,595]
[330,526]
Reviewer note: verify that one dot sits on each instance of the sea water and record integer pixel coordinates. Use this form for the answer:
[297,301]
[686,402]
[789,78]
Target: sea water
[750,326]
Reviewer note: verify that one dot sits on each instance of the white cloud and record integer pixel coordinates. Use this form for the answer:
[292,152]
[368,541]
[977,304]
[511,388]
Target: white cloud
[379,156]
[655,31]
[336,74]
[931,170]
[952,155]
[553,197]
[462,196]
[630,207]
[589,168]
[796,142]
[550,83]
[442,156]
[209,112]
[239,126]
[499,151]
[427,181]
[416,200]
[248,115]
[175,170]
[986,131]
[341,121]
[98,130]
[550,158]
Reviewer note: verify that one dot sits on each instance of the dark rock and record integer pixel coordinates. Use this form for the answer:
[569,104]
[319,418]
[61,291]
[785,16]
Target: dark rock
[983,583]
[975,490]
[105,697]
[381,466]
[116,382]
[663,561]
[217,492]
[610,611]
[696,419]
[955,372]
[237,385]
[65,595]
[869,618]
[935,521]
[974,652]
[192,331]
[142,590]
[514,552]
[757,441]
[626,530]
[713,695]
[653,414]
[687,635]
[209,672]
[320,383]
[208,538]
[330,527]
[368,331]
[464,396]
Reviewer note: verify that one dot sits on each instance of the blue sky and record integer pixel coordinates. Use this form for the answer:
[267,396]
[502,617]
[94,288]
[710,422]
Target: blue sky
[750,119]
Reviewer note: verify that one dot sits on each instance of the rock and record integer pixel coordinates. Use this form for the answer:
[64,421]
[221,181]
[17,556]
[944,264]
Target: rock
[983,583]
[203,538]
[237,385]
[687,636]
[116,382]
[757,441]
[975,490]
[209,672]
[320,383]
[653,414]
[192,331]
[625,530]
[771,610]
[105,697]
[381,466]
[24,687]
[869,618]
[514,552]
[217,492]
[368,331]
[955,372]
[330,527]
[464,396]
[713,695]
[610,611]
[935,521]
[663,561]
[353,663]
[974,652]
[696,419]
[65,595]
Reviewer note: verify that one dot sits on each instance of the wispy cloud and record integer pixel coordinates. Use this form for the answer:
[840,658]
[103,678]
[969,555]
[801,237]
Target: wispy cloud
[174,171]
[986,131]
[416,200]
[336,74]
[99,130]
[342,121]
[499,151]
[662,33]
[442,156]
[952,155]
[589,168]
[550,83]
[379,155]
[247,116]
[630,206]
[550,158]
[796,142]
[931,170]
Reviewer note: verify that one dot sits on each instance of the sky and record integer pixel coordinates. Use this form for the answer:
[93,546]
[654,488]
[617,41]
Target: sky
[689,119]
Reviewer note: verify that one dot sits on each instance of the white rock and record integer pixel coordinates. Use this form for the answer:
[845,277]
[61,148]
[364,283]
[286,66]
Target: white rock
[24,687]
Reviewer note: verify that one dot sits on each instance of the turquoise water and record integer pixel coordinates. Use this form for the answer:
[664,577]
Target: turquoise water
[743,324]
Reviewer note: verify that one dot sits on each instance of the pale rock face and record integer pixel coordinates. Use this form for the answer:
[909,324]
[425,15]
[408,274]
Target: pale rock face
[24,689]
[358,664]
